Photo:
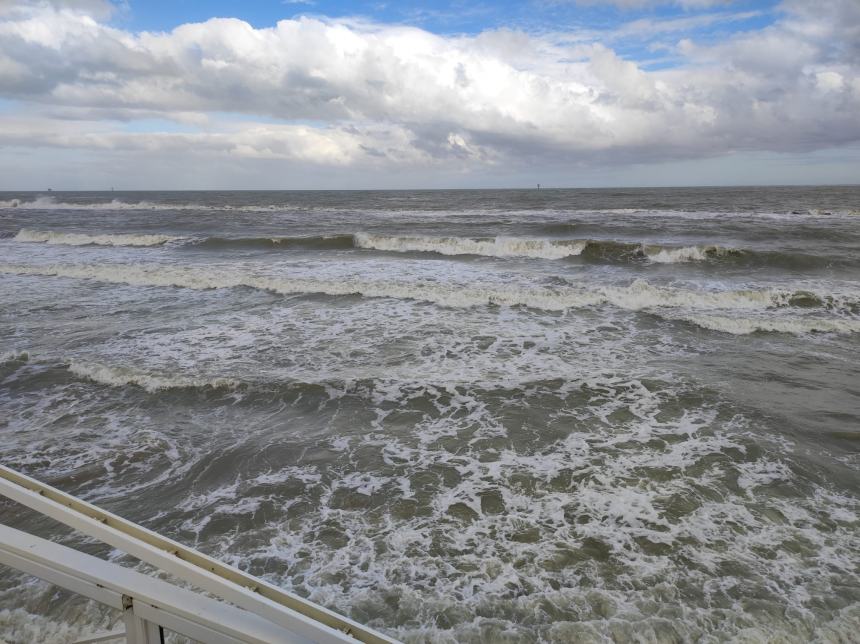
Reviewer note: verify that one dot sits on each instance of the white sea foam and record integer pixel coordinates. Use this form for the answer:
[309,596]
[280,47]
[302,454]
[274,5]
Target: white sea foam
[332,343]
[443,294]
[51,203]
[122,376]
[761,473]
[515,530]
[505,475]
[644,295]
[797,325]
[19,626]
[538,248]
[492,247]
[363,483]
[462,555]
[46,202]
[14,356]
[613,211]
[639,295]
[821,212]
[668,255]
[83,239]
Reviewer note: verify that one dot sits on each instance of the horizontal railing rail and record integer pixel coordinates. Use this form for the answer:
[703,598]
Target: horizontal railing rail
[302,619]
[138,596]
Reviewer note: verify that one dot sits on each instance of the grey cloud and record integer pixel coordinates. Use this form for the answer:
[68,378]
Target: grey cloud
[100,8]
[641,4]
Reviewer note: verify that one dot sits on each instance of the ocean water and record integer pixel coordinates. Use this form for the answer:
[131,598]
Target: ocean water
[471,416]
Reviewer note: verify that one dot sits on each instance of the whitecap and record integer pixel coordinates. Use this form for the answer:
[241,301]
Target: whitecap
[123,376]
[488,247]
[83,239]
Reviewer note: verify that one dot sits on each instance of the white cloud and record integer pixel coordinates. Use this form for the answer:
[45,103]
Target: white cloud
[349,93]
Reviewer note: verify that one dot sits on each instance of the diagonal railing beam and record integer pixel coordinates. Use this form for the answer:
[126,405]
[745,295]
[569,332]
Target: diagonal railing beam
[231,584]
[146,603]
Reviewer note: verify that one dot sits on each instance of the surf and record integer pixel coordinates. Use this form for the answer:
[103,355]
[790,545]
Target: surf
[639,295]
[82,239]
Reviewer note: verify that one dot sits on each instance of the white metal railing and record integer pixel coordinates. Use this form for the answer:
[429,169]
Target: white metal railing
[260,612]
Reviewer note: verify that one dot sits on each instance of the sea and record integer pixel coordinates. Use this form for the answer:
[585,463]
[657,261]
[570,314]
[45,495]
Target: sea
[456,416]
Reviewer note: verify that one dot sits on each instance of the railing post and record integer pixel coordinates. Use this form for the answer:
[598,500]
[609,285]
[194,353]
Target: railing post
[138,630]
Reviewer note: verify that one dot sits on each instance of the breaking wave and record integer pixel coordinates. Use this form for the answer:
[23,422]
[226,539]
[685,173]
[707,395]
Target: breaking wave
[827,212]
[489,247]
[662,255]
[11,361]
[796,325]
[46,202]
[597,250]
[81,239]
[741,257]
[588,250]
[640,295]
[14,357]
[323,242]
[50,203]
[122,376]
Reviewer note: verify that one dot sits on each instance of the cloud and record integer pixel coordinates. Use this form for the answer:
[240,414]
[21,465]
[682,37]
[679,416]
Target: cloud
[645,4]
[100,9]
[645,27]
[348,93]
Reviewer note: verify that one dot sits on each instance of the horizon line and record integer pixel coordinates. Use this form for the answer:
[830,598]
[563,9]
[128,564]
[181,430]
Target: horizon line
[460,189]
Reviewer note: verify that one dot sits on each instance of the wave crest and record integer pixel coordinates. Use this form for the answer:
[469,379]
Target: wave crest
[796,325]
[488,247]
[587,250]
[81,239]
[640,295]
[122,376]
[50,203]
[542,248]
[13,357]
[668,255]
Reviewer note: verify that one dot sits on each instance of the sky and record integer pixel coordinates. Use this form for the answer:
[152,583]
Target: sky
[326,94]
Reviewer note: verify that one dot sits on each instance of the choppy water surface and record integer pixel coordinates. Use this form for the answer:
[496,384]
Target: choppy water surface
[479,416]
